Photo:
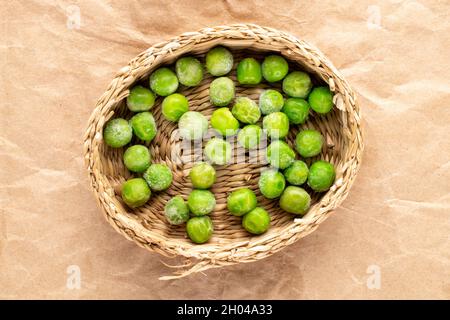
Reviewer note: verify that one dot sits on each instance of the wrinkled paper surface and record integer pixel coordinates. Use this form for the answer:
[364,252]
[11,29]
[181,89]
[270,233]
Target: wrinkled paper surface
[390,238]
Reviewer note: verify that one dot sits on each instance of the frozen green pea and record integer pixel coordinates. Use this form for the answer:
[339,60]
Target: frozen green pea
[137,158]
[249,136]
[201,202]
[321,176]
[241,201]
[192,125]
[271,183]
[270,101]
[246,110]
[174,106]
[224,122]
[249,71]
[309,143]
[295,200]
[218,151]
[117,133]
[256,221]
[144,126]
[140,99]
[276,125]
[189,71]
[158,176]
[279,154]
[200,229]
[296,109]
[135,192]
[321,100]
[163,82]
[296,173]
[274,68]
[202,175]
[221,91]
[297,84]
[176,211]
[219,61]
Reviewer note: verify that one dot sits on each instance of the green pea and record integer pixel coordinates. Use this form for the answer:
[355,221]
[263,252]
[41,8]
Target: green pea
[246,110]
[158,176]
[271,183]
[135,192]
[163,82]
[218,151]
[117,133]
[176,211]
[224,122]
[276,125]
[321,176]
[241,201]
[274,68]
[270,101]
[221,91]
[295,200]
[297,110]
[200,229]
[174,106]
[321,100]
[144,126]
[309,143]
[256,221]
[140,99]
[202,175]
[297,84]
[249,71]
[137,158]
[249,136]
[201,202]
[219,61]
[279,154]
[296,173]
[192,125]
[189,71]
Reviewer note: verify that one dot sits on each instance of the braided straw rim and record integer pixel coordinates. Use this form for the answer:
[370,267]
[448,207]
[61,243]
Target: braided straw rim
[243,249]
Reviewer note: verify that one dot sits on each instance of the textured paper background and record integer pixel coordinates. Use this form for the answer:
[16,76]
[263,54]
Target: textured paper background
[396,218]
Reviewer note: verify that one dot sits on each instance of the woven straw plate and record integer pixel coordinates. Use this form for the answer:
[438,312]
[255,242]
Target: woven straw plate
[230,243]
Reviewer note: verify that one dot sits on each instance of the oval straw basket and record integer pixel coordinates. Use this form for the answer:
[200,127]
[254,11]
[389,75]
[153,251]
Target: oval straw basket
[230,244]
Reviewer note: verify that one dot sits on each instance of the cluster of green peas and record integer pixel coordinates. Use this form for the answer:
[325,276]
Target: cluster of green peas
[278,113]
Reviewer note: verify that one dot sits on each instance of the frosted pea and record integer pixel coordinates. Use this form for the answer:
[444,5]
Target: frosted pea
[246,110]
[163,82]
[137,158]
[249,136]
[218,151]
[158,176]
[276,125]
[241,201]
[192,125]
[296,109]
[117,133]
[321,176]
[219,61]
[144,126]
[189,71]
[200,229]
[256,221]
[140,99]
[279,154]
[201,202]
[202,175]
[174,106]
[270,101]
[274,68]
[135,192]
[249,71]
[224,122]
[221,91]
[296,173]
[176,211]
[295,200]
[271,183]
[321,100]
[297,84]
[309,143]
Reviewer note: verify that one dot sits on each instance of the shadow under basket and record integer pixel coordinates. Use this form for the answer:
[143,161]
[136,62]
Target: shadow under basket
[230,243]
